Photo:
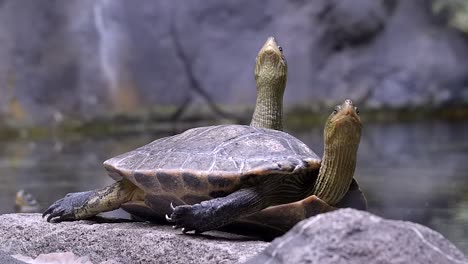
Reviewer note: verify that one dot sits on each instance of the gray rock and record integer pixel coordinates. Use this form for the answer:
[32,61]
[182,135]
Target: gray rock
[343,236]
[30,235]
[351,236]
[7,259]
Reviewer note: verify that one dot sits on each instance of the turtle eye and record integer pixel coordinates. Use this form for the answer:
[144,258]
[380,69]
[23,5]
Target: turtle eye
[337,109]
[280,48]
[356,110]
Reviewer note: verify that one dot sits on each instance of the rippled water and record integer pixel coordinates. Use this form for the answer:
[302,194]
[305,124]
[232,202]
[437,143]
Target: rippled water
[409,171]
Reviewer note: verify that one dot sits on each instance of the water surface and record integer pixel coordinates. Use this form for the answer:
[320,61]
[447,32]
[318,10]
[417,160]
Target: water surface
[409,171]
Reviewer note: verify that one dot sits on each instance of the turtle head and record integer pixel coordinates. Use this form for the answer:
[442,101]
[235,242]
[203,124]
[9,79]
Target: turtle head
[343,126]
[271,67]
[342,135]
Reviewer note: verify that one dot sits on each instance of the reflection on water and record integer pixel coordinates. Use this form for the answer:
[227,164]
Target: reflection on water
[409,171]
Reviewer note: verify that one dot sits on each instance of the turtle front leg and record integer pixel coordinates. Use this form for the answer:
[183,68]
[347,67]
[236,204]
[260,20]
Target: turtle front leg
[218,212]
[248,205]
[82,205]
[282,218]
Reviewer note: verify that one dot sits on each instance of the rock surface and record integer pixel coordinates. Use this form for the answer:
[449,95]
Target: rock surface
[87,58]
[30,235]
[55,258]
[343,236]
[351,236]
[5,258]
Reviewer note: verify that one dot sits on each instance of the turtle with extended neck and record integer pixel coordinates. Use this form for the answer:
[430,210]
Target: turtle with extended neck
[271,75]
[270,72]
[221,174]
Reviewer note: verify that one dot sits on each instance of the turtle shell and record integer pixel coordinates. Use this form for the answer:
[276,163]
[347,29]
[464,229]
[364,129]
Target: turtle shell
[208,162]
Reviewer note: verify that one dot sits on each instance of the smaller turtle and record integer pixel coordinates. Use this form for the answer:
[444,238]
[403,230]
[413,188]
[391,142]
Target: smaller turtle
[270,72]
[221,174]
[26,203]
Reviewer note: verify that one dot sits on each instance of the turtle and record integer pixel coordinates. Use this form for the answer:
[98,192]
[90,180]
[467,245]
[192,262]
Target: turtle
[271,75]
[270,72]
[208,177]
[26,203]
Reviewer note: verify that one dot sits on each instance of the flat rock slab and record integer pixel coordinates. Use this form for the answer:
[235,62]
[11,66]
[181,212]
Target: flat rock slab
[136,242]
[351,236]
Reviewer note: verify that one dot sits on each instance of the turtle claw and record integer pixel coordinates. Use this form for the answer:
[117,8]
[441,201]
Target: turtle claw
[57,212]
[65,208]
[169,219]
[48,211]
[188,218]
[185,230]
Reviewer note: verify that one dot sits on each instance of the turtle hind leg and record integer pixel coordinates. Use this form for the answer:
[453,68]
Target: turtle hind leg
[82,205]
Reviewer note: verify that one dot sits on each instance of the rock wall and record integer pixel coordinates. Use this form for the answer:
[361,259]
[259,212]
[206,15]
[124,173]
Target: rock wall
[86,58]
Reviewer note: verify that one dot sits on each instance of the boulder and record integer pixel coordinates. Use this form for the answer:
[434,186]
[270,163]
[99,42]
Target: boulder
[352,236]
[133,242]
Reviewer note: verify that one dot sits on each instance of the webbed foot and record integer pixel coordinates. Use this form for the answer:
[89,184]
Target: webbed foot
[66,208]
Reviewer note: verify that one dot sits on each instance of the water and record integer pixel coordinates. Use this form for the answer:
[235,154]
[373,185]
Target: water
[409,171]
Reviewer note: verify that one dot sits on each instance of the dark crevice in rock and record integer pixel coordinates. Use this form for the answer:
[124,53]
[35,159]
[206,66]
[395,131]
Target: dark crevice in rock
[194,83]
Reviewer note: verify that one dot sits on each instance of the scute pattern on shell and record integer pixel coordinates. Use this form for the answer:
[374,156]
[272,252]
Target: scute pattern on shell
[226,148]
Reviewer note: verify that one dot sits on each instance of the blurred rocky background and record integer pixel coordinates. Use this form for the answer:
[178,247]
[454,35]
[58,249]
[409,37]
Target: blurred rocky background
[85,59]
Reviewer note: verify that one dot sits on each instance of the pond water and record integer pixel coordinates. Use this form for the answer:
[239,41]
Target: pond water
[409,171]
